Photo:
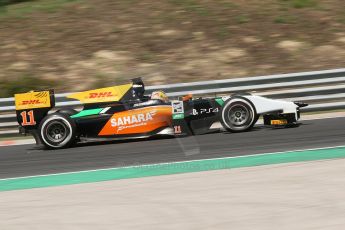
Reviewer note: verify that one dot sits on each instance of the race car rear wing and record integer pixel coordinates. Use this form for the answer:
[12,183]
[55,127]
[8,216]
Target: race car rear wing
[32,107]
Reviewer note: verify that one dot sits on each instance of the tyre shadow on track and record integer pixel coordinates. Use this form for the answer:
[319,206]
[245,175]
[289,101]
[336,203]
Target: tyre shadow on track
[270,128]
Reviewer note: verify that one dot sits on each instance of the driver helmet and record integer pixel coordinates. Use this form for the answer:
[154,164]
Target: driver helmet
[159,95]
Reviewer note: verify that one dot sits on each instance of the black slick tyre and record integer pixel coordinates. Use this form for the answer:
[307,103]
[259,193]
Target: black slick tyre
[57,131]
[238,115]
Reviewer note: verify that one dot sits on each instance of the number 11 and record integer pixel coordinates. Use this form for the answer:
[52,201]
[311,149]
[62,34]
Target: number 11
[31,120]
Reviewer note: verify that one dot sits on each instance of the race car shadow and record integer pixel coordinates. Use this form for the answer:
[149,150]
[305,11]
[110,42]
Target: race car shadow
[254,129]
[287,126]
[95,142]
[122,141]
[271,128]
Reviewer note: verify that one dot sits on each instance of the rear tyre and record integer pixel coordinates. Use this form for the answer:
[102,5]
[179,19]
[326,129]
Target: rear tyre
[57,131]
[238,115]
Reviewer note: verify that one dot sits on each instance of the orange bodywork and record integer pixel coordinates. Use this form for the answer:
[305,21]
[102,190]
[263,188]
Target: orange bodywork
[142,120]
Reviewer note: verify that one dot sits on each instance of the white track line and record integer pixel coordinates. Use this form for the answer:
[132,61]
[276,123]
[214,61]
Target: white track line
[175,162]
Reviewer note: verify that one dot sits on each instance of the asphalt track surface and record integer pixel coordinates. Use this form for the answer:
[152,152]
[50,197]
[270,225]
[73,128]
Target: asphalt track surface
[26,160]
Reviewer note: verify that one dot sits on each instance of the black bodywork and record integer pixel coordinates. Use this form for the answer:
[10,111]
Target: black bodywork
[198,115]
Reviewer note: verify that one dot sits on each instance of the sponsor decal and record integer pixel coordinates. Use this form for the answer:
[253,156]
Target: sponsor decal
[205,111]
[133,120]
[101,95]
[177,107]
[42,94]
[32,100]
[178,116]
[32,103]
[279,122]
[114,93]
[142,120]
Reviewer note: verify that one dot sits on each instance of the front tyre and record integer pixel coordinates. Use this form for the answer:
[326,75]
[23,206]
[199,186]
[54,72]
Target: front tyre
[238,115]
[57,131]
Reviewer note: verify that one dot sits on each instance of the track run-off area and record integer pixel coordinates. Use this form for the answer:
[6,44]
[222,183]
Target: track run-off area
[26,166]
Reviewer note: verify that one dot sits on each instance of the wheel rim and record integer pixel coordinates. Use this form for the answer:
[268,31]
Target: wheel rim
[56,132]
[239,115]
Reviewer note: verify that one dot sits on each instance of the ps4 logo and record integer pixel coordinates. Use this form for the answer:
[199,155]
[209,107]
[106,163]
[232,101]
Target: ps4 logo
[205,111]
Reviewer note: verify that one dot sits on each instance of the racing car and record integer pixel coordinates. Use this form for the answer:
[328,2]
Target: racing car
[125,111]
